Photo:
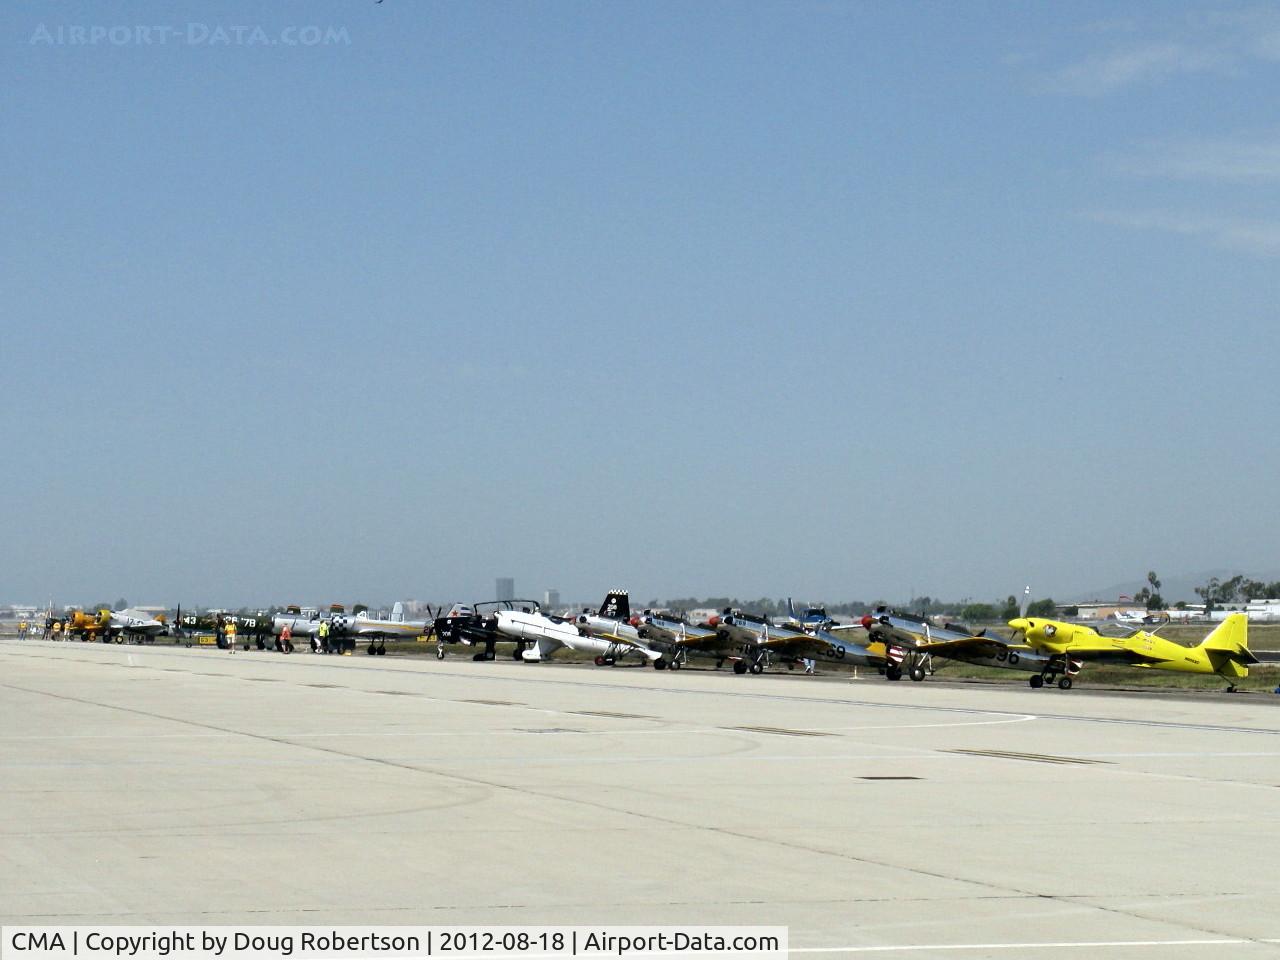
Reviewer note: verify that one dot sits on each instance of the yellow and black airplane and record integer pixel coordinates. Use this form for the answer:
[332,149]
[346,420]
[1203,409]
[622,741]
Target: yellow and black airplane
[1225,651]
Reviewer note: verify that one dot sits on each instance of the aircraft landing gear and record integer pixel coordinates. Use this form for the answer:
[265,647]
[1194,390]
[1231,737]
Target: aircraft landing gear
[676,663]
[1231,688]
[1050,674]
[719,662]
[739,666]
[893,672]
[917,673]
[757,667]
[659,664]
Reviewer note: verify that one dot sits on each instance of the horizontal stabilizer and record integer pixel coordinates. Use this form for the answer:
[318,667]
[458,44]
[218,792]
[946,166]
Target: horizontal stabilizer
[1231,637]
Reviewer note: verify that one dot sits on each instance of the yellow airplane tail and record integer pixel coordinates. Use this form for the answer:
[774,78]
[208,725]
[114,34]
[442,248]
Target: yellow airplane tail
[1228,646]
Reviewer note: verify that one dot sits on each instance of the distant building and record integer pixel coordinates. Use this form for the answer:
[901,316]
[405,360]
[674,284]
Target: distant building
[551,600]
[506,588]
[1263,611]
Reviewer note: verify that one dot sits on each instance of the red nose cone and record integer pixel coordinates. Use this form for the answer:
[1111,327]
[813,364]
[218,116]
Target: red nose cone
[866,622]
[714,621]
[635,621]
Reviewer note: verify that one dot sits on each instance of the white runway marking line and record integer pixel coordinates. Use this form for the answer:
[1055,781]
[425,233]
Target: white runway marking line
[1047,945]
[684,730]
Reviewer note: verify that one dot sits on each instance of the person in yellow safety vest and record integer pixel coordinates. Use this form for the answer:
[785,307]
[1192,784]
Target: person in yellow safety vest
[229,630]
[324,636]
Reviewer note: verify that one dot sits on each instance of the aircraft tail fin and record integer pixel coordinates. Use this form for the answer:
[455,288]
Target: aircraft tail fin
[616,606]
[1228,646]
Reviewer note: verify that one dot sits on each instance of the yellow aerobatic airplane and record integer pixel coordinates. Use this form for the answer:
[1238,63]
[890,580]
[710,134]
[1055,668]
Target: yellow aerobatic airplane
[1225,651]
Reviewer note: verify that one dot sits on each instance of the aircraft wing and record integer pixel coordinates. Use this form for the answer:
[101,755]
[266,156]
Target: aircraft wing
[1116,655]
[887,632]
[694,641]
[977,646]
[809,647]
[613,636]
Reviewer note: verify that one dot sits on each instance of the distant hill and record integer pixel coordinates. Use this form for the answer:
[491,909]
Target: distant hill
[1173,588]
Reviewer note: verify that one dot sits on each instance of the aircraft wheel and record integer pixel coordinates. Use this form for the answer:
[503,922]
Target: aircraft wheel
[659,664]
[1064,683]
[917,674]
[599,661]
[893,672]
[517,653]
[739,666]
[757,667]
[439,653]
[369,650]
[719,663]
[675,664]
[261,644]
[1036,681]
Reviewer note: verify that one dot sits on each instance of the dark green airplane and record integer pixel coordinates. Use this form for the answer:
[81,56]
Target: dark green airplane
[250,628]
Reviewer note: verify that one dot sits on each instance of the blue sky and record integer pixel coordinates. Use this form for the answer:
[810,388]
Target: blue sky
[826,299]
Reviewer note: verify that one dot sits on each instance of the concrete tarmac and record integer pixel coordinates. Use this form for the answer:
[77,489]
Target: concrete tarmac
[162,785]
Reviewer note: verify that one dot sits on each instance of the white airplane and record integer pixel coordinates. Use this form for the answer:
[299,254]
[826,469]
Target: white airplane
[1133,618]
[614,624]
[545,635]
[130,624]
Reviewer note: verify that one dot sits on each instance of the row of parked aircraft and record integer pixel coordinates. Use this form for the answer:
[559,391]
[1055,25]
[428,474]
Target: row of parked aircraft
[895,644]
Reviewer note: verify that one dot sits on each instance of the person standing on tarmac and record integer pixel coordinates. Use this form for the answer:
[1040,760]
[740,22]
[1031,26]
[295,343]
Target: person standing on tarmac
[230,630]
[323,630]
[286,639]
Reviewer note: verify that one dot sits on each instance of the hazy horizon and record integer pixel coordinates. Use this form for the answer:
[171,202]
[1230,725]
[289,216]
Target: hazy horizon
[830,300]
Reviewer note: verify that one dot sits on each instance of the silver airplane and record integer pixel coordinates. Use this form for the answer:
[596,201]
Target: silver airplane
[765,641]
[682,639]
[919,642]
[614,624]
